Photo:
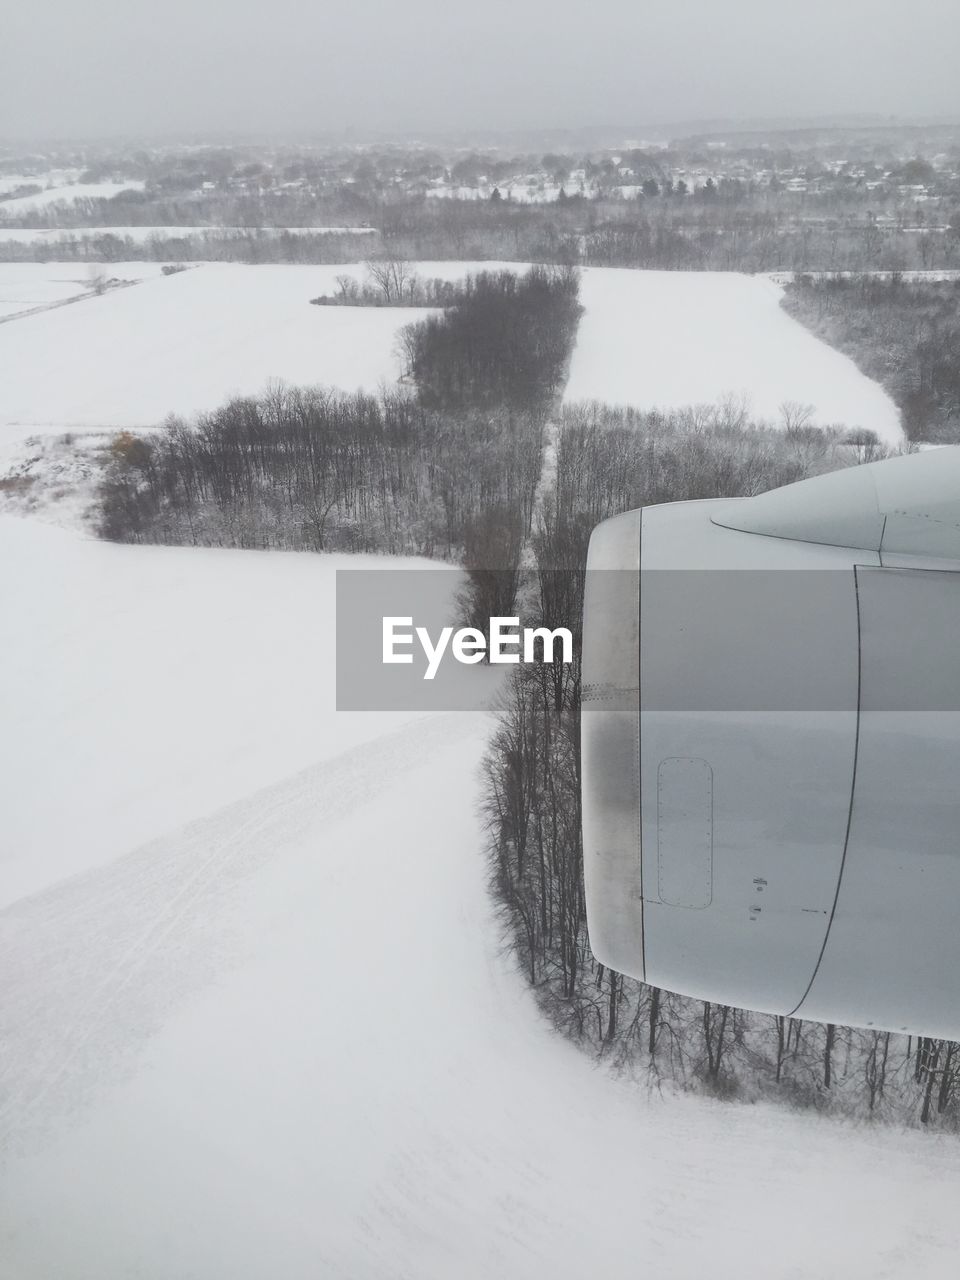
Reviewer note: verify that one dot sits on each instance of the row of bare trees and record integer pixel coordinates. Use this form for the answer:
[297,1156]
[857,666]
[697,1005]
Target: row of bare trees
[311,469]
[390,282]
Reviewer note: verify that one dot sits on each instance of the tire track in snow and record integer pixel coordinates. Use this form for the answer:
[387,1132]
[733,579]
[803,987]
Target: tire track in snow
[92,967]
[64,302]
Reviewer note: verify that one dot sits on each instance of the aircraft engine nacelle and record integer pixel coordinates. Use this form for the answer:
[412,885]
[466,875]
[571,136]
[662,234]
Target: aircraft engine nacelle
[771,746]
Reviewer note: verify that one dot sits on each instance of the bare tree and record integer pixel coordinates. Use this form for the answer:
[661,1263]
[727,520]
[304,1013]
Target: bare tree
[394,277]
[795,416]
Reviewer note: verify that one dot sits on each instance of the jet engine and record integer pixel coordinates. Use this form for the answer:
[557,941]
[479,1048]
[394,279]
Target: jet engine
[771,746]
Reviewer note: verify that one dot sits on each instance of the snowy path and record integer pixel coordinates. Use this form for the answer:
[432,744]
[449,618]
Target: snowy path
[62,302]
[282,1040]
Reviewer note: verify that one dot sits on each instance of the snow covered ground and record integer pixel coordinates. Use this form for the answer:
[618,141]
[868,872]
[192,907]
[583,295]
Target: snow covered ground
[211,647]
[280,1038]
[30,286]
[665,339]
[53,478]
[183,343]
[10,182]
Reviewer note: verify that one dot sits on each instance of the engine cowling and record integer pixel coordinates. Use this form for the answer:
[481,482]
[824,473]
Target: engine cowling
[771,746]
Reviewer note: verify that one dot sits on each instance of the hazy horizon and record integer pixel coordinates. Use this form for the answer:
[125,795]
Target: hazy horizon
[114,69]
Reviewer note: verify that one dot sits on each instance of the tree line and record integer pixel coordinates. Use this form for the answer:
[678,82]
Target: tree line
[903,333]
[736,228]
[390,282]
[505,342]
[316,470]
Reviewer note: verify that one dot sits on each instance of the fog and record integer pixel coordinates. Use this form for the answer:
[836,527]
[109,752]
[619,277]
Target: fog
[120,67]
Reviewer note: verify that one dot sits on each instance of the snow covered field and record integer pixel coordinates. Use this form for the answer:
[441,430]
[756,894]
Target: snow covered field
[183,343]
[280,1039]
[212,647]
[29,286]
[67,192]
[666,339]
[10,182]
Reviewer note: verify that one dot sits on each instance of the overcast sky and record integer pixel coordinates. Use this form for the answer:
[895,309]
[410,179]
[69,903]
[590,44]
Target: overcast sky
[71,68]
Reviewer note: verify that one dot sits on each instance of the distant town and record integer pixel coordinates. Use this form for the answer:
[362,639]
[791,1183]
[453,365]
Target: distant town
[824,199]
